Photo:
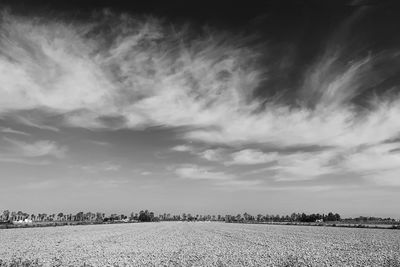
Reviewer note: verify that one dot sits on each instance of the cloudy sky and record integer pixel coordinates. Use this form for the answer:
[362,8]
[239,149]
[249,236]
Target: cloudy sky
[207,109]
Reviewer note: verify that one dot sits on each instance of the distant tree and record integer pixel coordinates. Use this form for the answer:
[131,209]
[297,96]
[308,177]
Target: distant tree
[6,215]
[113,217]
[99,217]
[88,216]
[238,217]
[144,216]
[330,217]
[79,216]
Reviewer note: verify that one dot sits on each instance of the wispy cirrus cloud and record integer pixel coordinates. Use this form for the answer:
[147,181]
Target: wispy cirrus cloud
[251,156]
[36,149]
[196,172]
[305,166]
[12,131]
[37,153]
[105,166]
[148,74]
[32,123]
[165,90]
[212,154]
[182,148]
[19,160]
[380,164]
[234,185]
[207,154]
[100,143]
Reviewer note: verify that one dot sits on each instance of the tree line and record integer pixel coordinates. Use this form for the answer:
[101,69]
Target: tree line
[149,216]
[294,217]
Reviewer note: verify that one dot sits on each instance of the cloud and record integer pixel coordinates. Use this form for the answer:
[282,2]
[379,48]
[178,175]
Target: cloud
[206,84]
[208,154]
[105,166]
[182,148]
[141,73]
[41,185]
[251,156]
[195,172]
[37,149]
[33,162]
[305,166]
[100,143]
[211,154]
[69,69]
[31,122]
[234,185]
[295,166]
[380,163]
[12,131]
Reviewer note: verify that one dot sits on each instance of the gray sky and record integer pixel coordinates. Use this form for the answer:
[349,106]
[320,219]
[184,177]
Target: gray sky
[122,112]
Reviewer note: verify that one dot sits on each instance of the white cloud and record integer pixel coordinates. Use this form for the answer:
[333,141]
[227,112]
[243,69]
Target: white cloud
[206,84]
[208,154]
[17,160]
[54,65]
[211,154]
[100,143]
[110,182]
[300,165]
[12,131]
[233,185]
[251,156]
[182,148]
[37,149]
[285,126]
[305,166]
[148,74]
[379,163]
[31,122]
[201,173]
[105,166]
[41,185]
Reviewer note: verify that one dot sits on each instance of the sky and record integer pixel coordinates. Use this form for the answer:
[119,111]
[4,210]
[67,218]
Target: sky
[220,109]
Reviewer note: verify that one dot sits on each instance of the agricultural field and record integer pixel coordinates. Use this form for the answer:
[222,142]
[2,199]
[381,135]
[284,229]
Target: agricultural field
[199,244]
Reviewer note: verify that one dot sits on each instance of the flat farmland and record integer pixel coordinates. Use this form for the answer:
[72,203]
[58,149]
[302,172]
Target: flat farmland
[200,244]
